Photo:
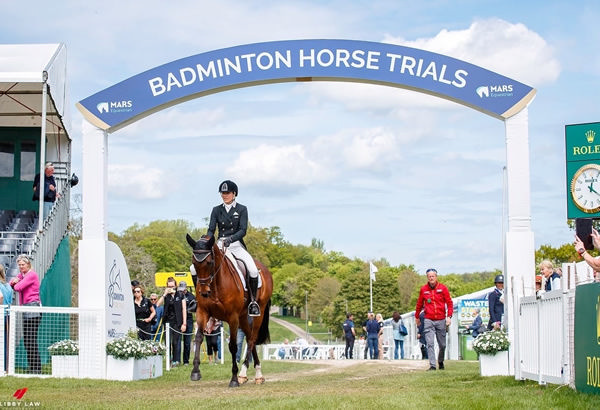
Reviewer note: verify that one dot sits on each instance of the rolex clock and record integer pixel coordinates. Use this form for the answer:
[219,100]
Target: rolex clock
[585,188]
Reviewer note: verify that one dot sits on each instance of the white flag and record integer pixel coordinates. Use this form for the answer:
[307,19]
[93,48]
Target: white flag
[373,269]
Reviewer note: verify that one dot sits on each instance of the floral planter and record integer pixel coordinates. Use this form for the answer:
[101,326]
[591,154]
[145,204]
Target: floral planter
[65,366]
[133,369]
[494,365]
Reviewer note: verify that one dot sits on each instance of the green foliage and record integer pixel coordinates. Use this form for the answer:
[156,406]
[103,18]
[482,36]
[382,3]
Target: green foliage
[564,254]
[465,283]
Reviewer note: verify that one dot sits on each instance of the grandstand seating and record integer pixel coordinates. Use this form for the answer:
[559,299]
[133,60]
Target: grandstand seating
[17,233]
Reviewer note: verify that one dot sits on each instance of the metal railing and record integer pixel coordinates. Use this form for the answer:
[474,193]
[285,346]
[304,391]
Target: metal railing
[47,240]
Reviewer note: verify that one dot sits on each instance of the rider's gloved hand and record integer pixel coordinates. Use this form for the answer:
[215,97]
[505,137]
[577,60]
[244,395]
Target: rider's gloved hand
[226,242]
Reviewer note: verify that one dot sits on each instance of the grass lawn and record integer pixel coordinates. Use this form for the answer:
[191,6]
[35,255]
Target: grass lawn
[317,330]
[305,385]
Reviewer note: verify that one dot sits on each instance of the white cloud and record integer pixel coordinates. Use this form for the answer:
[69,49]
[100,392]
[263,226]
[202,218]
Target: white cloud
[371,148]
[317,161]
[276,165]
[136,181]
[509,49]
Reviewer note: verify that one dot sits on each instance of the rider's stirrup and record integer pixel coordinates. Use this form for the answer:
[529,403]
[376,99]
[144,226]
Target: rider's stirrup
[253,309]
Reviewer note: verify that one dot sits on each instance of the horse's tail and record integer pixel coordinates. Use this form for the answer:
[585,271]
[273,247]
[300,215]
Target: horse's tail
[263,332]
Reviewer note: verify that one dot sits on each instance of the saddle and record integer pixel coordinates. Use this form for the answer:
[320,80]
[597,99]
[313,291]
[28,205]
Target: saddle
[242,271]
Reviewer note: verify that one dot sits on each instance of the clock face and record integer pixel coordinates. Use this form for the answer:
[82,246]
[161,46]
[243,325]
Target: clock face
[585,188]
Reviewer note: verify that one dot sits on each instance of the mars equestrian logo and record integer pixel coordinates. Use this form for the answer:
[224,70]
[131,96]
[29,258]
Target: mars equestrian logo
[115,106]
[504,90]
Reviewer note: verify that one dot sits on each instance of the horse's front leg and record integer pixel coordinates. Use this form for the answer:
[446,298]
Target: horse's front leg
[234,382]
[195,376]
[258,377]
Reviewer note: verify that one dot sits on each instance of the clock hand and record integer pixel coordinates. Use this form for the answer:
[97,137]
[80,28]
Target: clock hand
[591,188]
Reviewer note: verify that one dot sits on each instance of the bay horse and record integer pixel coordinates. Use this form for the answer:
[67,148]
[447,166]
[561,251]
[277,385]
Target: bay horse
[220,294]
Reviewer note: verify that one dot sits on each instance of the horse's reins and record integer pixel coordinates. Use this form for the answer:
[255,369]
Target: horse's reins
[209,280]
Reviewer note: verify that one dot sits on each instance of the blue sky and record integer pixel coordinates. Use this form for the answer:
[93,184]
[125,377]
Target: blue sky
[374,172]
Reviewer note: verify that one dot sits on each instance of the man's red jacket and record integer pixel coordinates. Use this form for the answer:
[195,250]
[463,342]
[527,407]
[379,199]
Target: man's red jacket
[437,302]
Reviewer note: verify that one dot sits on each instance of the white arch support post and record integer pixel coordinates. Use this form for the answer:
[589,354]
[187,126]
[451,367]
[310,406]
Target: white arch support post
[104,285]
[520,252]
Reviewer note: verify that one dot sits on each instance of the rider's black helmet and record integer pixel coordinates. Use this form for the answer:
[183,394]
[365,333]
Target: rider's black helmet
[228,186]
[499,279]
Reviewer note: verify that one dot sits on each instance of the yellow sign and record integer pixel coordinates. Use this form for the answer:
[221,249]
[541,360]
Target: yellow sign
[160,278]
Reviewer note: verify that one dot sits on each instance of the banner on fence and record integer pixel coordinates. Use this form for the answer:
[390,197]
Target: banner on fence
[587,338]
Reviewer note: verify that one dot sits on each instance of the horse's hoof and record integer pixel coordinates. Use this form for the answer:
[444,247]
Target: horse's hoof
[233,383]
[195,376]
[260,380]
[242,379]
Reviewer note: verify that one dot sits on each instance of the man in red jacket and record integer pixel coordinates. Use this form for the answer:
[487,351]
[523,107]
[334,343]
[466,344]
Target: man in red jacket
[435,299]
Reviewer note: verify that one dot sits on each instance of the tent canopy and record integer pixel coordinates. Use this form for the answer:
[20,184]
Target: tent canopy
[23,70]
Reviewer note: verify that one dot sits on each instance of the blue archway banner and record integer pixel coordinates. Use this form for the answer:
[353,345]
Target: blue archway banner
[305,60]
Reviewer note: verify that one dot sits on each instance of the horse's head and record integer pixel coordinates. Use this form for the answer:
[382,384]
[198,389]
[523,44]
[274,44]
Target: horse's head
[204,262]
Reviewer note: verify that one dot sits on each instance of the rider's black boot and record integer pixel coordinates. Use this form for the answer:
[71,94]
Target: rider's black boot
[253,308]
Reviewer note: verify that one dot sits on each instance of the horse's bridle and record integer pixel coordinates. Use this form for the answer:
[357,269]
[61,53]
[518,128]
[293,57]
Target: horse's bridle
[199,256]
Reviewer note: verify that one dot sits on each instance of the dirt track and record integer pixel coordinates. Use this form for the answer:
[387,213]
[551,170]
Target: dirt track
[296,329]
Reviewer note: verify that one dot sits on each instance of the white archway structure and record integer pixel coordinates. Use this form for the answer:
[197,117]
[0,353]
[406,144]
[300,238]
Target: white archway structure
[290,61]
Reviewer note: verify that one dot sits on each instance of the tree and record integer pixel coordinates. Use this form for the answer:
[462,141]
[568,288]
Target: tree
[322,296]
[564,254]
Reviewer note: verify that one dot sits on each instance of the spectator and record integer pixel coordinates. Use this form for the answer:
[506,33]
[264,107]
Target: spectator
[552,278]
[364,326]
[158,326]
[477,326]
[538,283]
[379,319]
[283,351]
[303,346]
[496,303]
[240,344]
[435,299]
[175,315]
[134,283]
[373,329]
[27,283]
[212,331]
[421,335]
[144,313]
[6,294]
[50,192]
[190,301]
[396,321]
[350,335]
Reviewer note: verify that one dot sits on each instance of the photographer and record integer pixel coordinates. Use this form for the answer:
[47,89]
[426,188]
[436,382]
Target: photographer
[175,314]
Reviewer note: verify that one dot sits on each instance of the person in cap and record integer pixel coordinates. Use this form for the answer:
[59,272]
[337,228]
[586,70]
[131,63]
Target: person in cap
[231,219]
[496,303]
[435,299]
[538,283]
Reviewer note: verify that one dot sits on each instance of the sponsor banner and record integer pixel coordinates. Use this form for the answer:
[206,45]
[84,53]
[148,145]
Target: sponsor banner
[305,60]
[466,311]
[587,338]
[120,314]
